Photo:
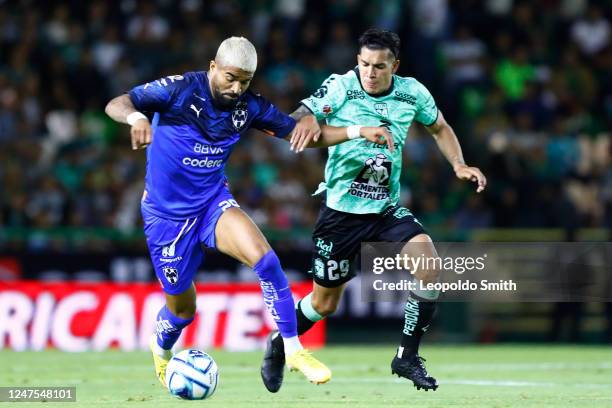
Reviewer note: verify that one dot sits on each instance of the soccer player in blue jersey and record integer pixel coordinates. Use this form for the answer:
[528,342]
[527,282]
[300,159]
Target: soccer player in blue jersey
[196,119]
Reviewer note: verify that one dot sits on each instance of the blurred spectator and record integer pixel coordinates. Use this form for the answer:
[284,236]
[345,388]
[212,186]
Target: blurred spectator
[513,72]
[147,26]
[463,56]
[108,51]
[527,88]
[592,33]
[340,51]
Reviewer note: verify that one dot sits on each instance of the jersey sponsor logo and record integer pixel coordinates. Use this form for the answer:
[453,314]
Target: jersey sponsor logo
[202,163]
[171,274]
[240,115]
[355,94]
[321,92]
[193,107]
[327,110]
[196,110]
[168,260]
[381,109]
[325,248]
[207,149]
[372,182]
[404,97]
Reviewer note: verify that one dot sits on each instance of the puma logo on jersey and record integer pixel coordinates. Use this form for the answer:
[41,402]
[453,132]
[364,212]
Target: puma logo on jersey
[196,110]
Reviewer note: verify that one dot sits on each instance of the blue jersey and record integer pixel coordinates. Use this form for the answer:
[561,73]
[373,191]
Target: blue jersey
[192,140]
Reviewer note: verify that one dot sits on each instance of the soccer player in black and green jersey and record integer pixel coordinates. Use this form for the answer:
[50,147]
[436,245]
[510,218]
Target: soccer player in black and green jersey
[361,188]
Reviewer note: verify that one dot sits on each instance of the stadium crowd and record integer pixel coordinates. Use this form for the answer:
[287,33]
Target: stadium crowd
[526,86]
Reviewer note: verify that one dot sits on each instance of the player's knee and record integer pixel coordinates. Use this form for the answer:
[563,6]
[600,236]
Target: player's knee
[257,253]
[325,306]
[430,273]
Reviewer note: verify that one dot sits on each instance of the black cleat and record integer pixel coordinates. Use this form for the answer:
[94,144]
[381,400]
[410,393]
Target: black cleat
[413,369]
[273,365]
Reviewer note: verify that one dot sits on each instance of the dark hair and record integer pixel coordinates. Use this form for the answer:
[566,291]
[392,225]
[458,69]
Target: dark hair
[377,39]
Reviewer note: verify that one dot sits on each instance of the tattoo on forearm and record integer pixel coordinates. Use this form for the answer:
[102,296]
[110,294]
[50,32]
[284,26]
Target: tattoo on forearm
[300,112]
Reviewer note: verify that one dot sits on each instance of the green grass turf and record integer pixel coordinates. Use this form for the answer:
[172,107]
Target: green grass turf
[471,376]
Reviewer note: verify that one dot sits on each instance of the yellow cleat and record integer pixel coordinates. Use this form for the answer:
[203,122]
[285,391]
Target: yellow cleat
[161,362]
[315,371]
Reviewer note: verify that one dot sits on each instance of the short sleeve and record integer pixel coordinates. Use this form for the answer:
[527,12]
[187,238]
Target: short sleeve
[272,121]
[158,95]
[427,111]
[328,99]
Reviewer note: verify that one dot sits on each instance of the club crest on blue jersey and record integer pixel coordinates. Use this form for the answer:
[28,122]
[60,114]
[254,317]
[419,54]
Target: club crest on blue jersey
[171,274]
[240,115]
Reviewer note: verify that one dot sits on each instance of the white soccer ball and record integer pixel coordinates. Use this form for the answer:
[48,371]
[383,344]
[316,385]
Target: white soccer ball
[192,375]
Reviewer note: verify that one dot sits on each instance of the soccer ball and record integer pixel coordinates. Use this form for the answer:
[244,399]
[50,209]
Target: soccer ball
[192,375]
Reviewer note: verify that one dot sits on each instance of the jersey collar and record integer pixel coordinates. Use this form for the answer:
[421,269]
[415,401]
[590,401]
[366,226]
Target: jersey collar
[379,95]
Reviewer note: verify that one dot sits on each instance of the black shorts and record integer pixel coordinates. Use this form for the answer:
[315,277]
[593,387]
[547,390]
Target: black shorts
[337,239]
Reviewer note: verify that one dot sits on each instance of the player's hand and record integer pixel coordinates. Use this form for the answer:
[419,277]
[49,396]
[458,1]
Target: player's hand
[379,135]
[307,129]
[141,134]
[465,172]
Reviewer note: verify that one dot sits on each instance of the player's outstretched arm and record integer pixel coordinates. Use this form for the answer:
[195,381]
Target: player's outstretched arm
[308,133]
[122,110]
[331,135]
[306,129]
[449,146]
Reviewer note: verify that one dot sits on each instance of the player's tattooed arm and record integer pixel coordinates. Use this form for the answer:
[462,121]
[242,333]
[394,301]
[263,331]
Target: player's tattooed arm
[122,110]
[449,145]
[301,112]
[306,131]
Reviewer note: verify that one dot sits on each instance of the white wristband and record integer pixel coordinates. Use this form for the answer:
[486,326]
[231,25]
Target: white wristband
[135,116]
[353,131]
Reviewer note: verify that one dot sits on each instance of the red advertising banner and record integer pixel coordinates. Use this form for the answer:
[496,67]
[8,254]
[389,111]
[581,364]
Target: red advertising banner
[75,317]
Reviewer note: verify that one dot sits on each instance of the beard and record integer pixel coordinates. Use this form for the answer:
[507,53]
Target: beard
[224,101]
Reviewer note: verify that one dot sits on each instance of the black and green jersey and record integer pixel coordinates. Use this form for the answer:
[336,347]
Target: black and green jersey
[362,177]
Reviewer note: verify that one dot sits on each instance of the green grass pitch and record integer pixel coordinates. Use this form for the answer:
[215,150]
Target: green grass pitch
[470,376]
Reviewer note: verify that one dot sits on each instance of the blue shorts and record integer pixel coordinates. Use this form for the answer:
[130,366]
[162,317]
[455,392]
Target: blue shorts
[175,246]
